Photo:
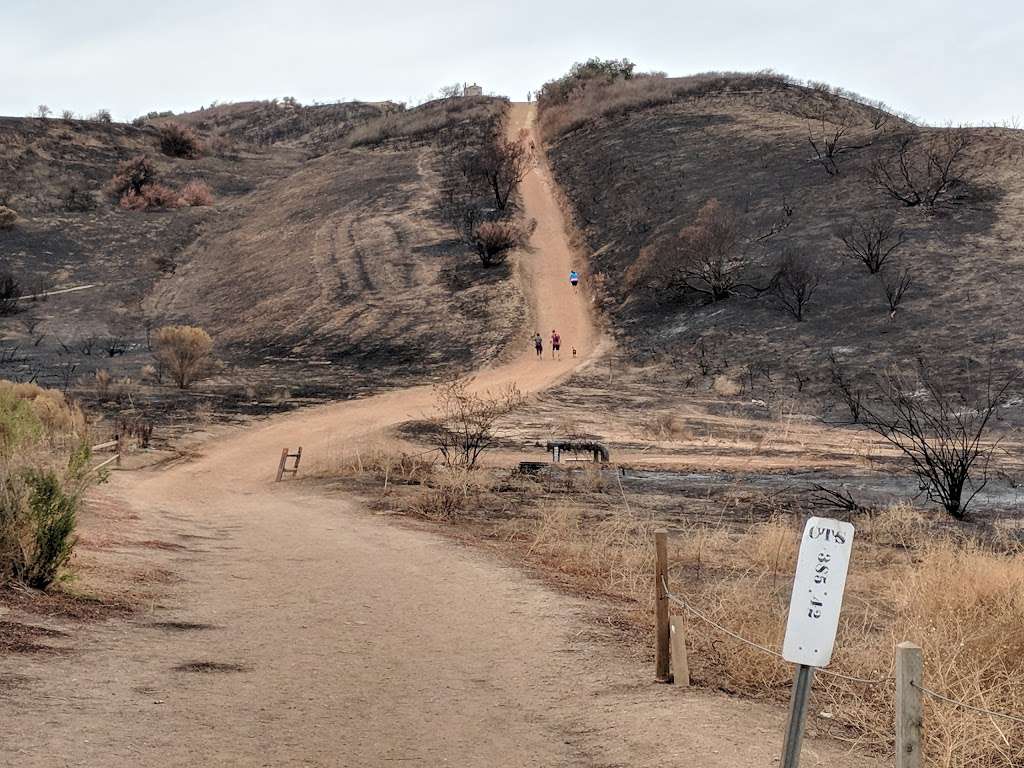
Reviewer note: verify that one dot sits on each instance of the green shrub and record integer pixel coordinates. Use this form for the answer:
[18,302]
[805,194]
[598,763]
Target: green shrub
[43,473]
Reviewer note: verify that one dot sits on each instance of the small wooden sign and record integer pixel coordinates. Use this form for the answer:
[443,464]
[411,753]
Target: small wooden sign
[818,592]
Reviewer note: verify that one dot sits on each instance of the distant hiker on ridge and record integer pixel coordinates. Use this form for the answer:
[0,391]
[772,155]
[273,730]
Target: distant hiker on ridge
[538,344]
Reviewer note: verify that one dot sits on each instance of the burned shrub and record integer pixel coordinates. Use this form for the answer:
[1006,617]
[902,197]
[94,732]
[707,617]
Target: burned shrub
[151,197]
[871,241]
[494,240]
[178,141]
[8,218]
[132,175]
[925,170]
[196,193]
[10,294]
[795,283]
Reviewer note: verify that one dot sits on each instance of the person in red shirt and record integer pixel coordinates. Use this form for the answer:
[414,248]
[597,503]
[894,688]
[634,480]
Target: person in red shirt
[556,344]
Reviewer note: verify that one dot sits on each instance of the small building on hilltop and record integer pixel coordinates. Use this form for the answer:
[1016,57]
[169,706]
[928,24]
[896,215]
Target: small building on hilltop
[472,90]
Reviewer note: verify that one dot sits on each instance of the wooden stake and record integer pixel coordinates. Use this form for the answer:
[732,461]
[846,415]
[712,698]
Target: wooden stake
[909,714]
[662,673]
[680,663]
[119,447]
[280,466]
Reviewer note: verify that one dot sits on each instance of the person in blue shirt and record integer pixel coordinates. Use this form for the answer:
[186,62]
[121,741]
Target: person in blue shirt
[574,278]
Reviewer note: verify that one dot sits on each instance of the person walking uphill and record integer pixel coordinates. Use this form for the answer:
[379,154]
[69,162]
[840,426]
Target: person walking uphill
[574,278]
[556,345]
[538,344]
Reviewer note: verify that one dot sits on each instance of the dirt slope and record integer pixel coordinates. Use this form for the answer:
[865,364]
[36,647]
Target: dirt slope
[302,633]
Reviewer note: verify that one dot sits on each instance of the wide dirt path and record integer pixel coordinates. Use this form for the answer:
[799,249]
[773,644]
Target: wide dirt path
[305,632]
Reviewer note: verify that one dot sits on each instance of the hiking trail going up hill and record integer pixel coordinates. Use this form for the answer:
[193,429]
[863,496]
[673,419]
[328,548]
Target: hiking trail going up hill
[302,631]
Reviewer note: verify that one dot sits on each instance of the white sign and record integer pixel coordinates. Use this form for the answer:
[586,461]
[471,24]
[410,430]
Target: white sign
[818,592]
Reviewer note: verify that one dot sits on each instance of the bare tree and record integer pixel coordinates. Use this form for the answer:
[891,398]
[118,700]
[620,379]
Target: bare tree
[67,115]
[501,165]
[43,111]
[706,257]
[795,283]
[896,287]
[924,170]
[451,91]
[942,430]
[871,241]
[828,134]
[465,423]
[851,395]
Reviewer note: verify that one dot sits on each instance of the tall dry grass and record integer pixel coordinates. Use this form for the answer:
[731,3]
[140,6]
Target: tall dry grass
[963,602]
[960,599]
[620,97]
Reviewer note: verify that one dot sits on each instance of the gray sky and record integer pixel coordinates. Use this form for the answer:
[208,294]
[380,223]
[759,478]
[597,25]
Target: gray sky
[938,60]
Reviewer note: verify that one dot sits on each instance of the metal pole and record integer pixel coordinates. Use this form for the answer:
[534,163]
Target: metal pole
[797,716]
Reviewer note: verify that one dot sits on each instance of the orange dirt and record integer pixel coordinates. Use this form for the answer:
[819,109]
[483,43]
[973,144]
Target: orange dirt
[306,632]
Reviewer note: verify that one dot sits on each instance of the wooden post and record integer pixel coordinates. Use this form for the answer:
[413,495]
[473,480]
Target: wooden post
[798,703]
[119,446]
[280,466]
[298,458]
[909,715]
[662,673]
[677,655]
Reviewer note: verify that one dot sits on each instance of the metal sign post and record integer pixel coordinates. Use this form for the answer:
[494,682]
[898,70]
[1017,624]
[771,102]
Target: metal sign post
[813,621]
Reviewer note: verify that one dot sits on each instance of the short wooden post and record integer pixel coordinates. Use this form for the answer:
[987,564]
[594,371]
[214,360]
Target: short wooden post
[280,466]
[119,447]
[909,714]
[677,652]
[298,458]
[662,672]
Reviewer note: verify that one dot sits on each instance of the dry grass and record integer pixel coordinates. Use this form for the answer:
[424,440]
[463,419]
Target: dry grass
[911,579]
[624,96]
[385,461]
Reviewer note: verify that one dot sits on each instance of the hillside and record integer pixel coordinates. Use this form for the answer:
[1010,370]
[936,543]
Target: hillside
[262,123]
[318,253]
[638,159]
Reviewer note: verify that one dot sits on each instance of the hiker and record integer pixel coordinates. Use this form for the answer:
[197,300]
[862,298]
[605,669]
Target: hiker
[574,351]
[556,344]
[538,344]
[528,95]
[574,278]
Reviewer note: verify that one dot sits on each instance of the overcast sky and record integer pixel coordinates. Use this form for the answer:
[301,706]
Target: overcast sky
[938,60]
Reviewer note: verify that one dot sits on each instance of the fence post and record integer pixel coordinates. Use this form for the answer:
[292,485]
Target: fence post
[677,652]
[909,715]
[280,466]
[662,673]
[119,446]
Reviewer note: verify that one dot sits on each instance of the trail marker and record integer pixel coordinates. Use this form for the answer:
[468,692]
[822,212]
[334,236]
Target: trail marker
[821,570]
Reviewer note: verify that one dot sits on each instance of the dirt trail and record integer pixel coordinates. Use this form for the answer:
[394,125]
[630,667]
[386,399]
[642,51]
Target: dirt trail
[305,632]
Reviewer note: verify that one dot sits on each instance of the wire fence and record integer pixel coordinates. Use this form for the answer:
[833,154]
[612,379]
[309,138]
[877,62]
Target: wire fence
[685,605]
[763,648]
[965,705]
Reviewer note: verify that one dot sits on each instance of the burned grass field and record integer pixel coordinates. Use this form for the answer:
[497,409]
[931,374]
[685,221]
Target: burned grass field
[319,265]
[796,169]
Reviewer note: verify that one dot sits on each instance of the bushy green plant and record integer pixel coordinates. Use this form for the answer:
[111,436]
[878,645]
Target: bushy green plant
[43,473]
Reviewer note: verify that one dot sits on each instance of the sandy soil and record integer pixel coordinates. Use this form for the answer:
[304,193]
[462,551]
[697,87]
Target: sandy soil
[299,631]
